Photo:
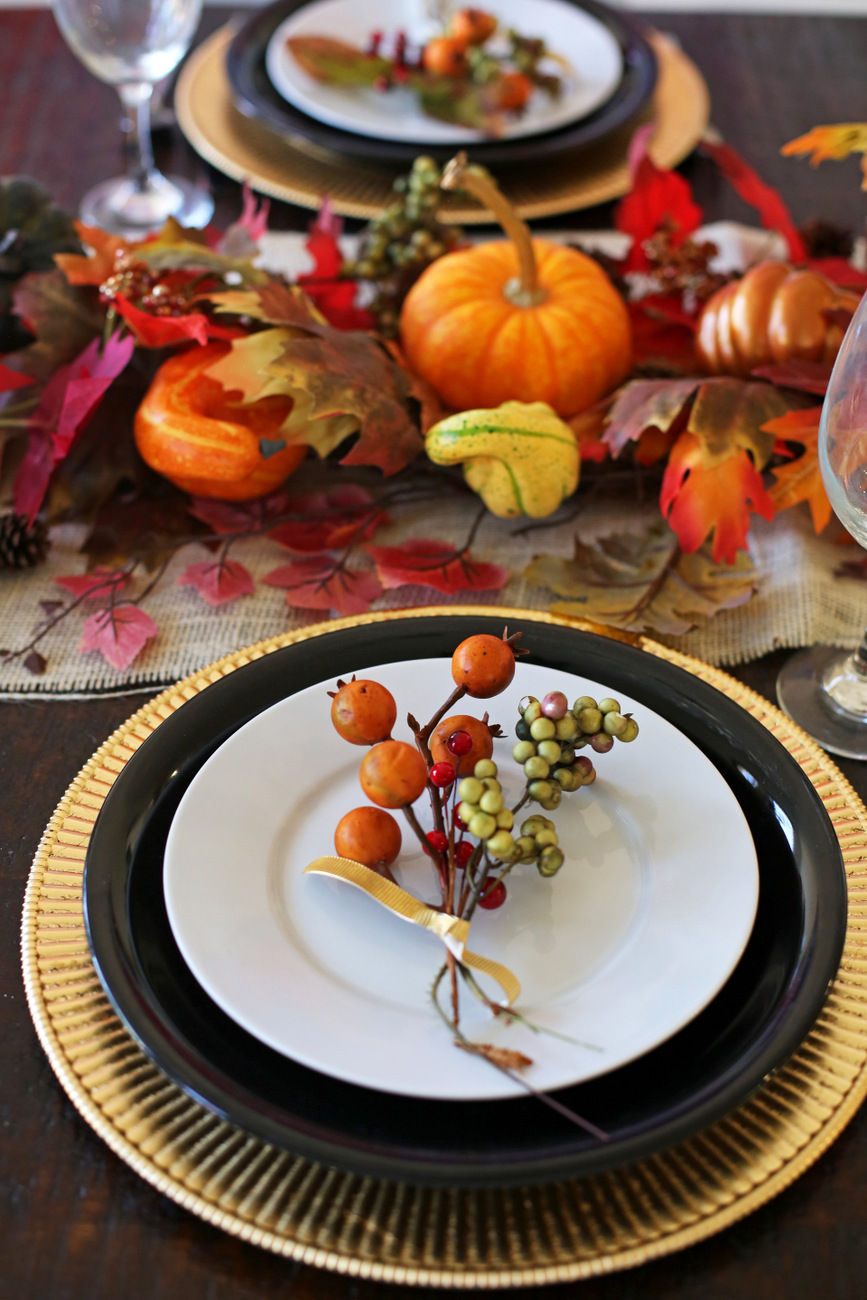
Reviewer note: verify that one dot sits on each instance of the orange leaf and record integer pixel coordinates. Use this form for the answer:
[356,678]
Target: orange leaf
[834,141]
[800,480]
[697,501]
[82,269]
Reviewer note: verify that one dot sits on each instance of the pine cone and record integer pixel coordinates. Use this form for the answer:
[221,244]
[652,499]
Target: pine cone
[22,547]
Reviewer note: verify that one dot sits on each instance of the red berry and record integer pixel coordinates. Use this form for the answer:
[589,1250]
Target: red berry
[438,840]
[463,853]
[460,824]
[443,774]
[459,743]
[493,895]
[400,73]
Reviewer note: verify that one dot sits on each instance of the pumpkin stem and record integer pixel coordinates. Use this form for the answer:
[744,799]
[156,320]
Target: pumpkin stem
[459,174]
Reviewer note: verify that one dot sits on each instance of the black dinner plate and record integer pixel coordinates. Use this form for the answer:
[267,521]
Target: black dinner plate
[709,1067]
[256,97]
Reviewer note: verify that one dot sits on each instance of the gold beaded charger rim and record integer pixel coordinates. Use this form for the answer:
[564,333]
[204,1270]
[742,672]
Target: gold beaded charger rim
[302,173]
[422,1236]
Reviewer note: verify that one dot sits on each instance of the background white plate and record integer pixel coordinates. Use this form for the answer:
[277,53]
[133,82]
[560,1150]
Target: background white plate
[636,933]
[593,55]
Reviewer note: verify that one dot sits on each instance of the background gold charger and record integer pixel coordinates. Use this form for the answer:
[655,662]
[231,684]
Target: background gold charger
[395,1232]
[302,173]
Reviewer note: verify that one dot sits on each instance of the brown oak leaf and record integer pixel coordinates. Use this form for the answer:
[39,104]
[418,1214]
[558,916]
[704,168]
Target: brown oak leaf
[643,582]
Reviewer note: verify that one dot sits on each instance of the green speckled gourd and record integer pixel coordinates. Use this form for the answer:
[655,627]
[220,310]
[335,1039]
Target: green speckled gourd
[520,457]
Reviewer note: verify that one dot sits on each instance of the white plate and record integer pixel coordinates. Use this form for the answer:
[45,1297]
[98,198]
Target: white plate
[591,51]
[636,933]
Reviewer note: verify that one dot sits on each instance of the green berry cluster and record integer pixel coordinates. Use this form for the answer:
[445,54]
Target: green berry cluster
[549,734]
[538,843]
[483,811]
[401,241]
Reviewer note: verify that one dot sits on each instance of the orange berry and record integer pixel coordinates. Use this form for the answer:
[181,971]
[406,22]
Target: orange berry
[514,91]
[446,56]
[478,731]
[472,26]
[484,664]
[363,712]
[393,774]
[368,835]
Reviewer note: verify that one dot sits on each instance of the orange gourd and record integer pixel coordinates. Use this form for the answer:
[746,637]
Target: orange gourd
[188,430]
[772,314]
[525,320]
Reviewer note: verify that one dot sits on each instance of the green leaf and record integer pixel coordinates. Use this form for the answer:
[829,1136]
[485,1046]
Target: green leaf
[643,582]
[335,62]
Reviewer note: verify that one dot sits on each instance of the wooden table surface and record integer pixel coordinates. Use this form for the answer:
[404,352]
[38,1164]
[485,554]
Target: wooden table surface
[75,1222]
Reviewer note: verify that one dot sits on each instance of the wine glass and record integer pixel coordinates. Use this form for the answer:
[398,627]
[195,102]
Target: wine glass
[132,44]
[824,689]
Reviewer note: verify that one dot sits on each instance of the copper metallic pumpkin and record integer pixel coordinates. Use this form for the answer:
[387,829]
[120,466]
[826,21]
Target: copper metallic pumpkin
[772,314]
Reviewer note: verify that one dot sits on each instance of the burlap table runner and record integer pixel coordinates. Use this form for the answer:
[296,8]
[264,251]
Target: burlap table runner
[800,601]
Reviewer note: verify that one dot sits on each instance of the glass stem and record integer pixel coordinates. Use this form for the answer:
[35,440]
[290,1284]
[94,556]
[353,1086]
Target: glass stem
[136,99]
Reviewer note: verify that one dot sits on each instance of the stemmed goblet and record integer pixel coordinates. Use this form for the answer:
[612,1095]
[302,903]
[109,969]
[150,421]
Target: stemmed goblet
[132,44]
[824,689]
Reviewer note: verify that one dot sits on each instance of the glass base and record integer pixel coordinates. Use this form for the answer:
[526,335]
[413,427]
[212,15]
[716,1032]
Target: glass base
[126,208]
[819,689]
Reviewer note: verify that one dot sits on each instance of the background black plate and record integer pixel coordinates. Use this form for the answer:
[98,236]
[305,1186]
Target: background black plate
[709,1067]
[255,96]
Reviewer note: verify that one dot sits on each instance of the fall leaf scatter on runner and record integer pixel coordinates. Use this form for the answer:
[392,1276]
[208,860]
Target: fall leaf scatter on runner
[87,319]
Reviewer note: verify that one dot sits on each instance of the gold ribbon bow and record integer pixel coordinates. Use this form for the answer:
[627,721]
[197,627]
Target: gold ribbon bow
[451,929]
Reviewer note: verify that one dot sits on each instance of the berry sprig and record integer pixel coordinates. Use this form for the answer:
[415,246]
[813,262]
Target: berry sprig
[474,842]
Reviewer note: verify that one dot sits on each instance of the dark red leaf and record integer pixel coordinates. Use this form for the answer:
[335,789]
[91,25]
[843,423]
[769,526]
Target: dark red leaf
[118,634]
[807,376]
[70,398]
[239,516]
[773,213]
[658,197]
[321,584]
[660,335]
[329,520]
[36,663]
[840,271]
[218,582]
[426,562]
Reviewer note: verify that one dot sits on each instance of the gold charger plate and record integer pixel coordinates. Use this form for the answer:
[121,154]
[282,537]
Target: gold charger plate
[303,173]
[394,1232]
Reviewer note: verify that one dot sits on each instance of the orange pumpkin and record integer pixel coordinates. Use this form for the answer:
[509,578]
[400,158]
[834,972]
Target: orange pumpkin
[772,314]
[527,320]
[188,430]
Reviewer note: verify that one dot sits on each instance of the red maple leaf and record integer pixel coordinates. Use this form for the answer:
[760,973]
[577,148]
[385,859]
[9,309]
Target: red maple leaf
[162,331]
[658,197]
[773,213]
[334,296]
[329,520]
[806,376]
[218,581]
[10,379]
[426,562]
[71,396]
[322,584]
[662,332]
[96,583]
[698,500]
[118,634]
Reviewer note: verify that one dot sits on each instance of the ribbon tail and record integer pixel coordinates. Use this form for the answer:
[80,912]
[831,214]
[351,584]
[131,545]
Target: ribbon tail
[504,977]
